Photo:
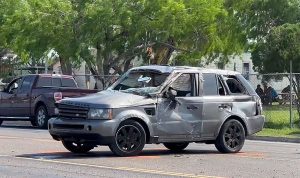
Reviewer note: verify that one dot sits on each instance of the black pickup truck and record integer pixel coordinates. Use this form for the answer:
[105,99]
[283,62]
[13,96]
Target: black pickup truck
[33,97]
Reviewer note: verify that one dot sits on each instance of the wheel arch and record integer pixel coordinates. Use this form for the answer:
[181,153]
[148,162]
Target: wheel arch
[38,104]
[238,119]
[143,124]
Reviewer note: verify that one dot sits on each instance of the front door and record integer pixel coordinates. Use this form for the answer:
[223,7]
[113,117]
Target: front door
[8,98]
[180,118]
[21,100]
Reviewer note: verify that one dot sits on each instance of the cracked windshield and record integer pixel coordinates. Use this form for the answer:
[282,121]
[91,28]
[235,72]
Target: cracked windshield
[141,82]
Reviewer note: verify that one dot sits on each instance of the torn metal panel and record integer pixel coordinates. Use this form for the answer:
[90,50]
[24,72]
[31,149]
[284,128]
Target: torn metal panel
[180,117]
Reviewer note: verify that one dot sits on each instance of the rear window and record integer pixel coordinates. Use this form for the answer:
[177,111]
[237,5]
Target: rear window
[68,82]
[56,82]
[44,81]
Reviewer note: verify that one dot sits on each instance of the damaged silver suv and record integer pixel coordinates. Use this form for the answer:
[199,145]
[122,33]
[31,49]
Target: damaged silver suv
[161,104]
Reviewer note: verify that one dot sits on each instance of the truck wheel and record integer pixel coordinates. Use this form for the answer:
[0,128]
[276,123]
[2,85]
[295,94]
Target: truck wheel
[41,117]
[77,147]
[177,147]
[129,140]
[33,123]
[231,137]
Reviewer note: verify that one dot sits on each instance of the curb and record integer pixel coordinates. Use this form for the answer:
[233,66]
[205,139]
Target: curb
[274,139]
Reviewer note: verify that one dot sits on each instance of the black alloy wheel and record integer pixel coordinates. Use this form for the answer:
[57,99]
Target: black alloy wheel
[75,147]
[130,139]
[231,138]
[176,147]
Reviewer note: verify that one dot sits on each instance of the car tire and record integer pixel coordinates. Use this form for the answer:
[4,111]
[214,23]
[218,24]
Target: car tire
[129,140]
[176,147]
[77,147]
[41,117]
[231,138]
[33,123]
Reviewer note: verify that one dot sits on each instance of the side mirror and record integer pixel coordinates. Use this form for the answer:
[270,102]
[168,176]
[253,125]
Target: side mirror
[171,93]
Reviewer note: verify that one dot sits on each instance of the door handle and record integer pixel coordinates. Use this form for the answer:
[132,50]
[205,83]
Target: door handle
[192,107]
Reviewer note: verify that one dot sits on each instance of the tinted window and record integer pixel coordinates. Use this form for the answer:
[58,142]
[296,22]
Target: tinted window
[56,82]
[26,84]
[68,82]
[235,86]
[210,86]
[44,81]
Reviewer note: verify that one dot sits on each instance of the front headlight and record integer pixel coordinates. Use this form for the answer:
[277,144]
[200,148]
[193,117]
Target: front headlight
[100,114]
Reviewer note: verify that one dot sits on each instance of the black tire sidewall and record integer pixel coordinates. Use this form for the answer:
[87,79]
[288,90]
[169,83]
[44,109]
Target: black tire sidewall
[46,117]
[220,142]
[176,146]
[84,149]
[33,123]
[119,152]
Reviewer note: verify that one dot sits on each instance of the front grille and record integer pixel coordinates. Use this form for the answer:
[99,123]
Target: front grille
[72,112]
[67,126]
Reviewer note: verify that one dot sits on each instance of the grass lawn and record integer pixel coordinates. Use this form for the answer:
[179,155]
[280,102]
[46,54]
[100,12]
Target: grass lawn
[286,132]
[278,122]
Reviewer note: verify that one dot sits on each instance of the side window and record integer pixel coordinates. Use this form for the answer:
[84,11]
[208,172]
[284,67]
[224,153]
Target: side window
[56,82]
[210,85]
[13,87]
[186,85]
[68,82]
[234,86]
[44,81]
[26,84]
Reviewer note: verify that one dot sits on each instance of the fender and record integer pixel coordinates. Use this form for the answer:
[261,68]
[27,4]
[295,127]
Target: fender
[138,113]
[233,116]
[40,99]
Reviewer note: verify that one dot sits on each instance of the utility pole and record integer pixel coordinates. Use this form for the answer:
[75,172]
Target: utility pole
[291,96]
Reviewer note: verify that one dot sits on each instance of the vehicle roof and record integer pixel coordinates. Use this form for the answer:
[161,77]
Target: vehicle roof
[169,69]
[51,75]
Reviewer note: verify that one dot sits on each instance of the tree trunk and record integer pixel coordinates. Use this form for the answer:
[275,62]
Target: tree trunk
[164,52]
[66,66]
[100,82]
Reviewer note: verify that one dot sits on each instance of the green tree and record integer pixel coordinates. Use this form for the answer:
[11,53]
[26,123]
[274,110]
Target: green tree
[258,17]
[110,34]
[273,55]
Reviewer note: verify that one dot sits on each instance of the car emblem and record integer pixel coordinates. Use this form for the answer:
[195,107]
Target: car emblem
[77,115]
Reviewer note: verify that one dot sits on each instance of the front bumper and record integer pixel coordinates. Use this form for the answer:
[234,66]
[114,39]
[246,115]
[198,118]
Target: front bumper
[99,132]
[255,124]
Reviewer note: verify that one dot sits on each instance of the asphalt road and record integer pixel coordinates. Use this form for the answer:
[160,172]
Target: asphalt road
[29,152]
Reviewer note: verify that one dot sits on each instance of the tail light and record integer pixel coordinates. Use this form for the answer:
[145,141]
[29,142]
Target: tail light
[259,108]
[57,97]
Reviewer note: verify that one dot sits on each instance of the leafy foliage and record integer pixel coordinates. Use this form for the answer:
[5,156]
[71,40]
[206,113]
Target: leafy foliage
[281,45]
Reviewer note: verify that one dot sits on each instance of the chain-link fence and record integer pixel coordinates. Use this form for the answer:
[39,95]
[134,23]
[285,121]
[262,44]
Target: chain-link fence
[274,91]
[276,95]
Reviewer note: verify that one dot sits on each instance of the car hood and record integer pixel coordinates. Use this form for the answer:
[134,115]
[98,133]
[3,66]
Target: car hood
[109,99]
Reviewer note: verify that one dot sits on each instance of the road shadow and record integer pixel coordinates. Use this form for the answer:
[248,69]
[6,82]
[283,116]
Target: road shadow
[108,154]
[19,125]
